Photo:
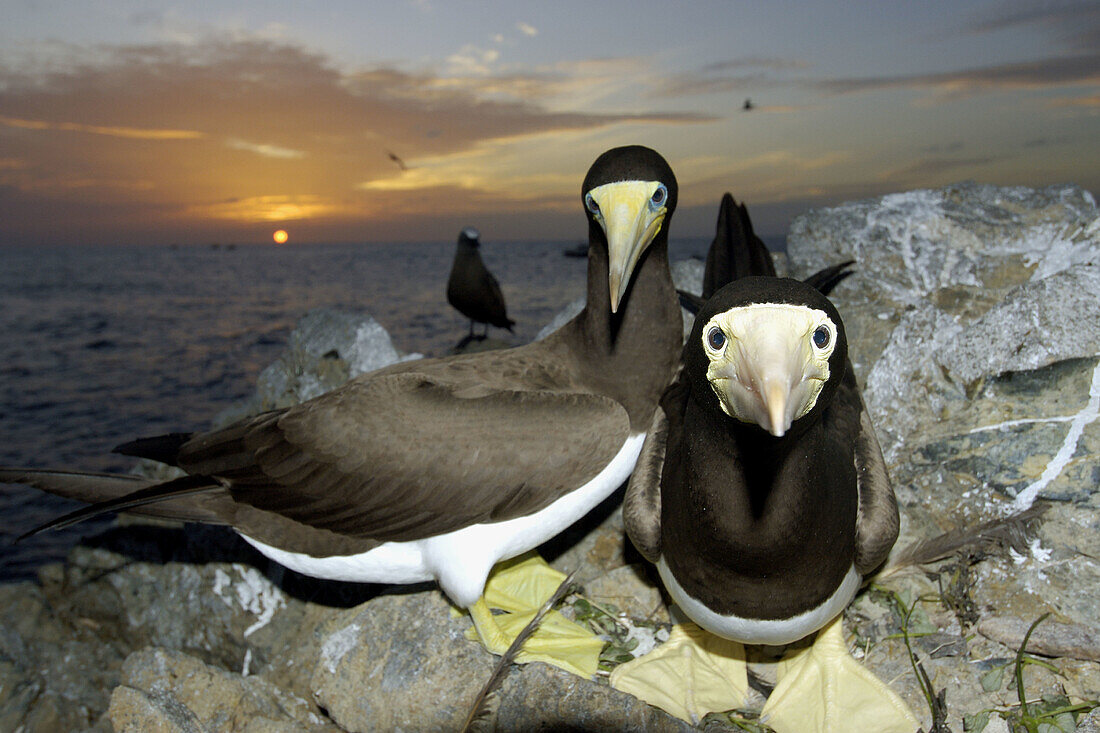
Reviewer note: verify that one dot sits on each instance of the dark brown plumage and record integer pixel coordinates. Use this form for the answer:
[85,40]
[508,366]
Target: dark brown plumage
[463,460]
[736,251]
[472,289]
[760,523]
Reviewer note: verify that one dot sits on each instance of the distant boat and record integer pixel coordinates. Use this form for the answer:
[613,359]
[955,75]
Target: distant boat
[747,105]
[577,250]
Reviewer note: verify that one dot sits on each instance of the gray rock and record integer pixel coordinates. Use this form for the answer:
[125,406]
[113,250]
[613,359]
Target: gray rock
[325,349]
[401,662]
[164,689]
[1037,324]
[687,275]
[974,324]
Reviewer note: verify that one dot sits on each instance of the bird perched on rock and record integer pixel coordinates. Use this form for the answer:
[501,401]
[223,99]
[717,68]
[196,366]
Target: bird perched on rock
[437,469]
[472,289]
[761,493]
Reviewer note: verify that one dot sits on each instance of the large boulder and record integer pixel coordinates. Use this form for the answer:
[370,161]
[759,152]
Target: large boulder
[974,322]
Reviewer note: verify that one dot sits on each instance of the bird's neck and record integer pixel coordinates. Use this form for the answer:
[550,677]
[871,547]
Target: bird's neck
[643,339]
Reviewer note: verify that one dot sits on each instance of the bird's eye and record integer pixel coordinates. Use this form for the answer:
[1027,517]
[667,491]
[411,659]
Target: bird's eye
[715,338]
[822,337]
[591,204]
[659,197]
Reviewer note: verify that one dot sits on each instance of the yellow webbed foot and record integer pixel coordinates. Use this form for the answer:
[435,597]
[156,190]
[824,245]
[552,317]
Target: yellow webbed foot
[520,587]
[822,689]
[690,675]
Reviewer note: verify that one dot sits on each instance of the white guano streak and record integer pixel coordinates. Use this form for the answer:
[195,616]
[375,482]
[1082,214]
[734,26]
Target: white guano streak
[1062,458]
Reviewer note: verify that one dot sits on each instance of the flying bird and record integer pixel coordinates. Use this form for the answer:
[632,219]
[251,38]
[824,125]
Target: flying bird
[761,493]
[747,106]
[400,163]
[437,469]
[472,289]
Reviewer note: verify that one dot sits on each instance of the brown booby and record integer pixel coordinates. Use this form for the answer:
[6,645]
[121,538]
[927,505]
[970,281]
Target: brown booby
[472,289]
[761,493]
[437,469]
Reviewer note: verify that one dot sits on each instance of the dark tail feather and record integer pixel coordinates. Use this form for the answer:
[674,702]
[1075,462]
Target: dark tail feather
[995,536]
[736,250]
[173,489]
[163,448]
[689,301]
[828,278]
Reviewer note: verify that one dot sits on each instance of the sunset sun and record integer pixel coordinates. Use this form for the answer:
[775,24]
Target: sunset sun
[280,236]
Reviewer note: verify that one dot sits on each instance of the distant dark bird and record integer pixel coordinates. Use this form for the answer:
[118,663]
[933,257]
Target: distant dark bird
[747,105]
[473,290]
[761,493]
[395,159]
[436,469]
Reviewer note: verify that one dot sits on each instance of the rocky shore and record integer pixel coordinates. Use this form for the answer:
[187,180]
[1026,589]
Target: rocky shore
[974,324]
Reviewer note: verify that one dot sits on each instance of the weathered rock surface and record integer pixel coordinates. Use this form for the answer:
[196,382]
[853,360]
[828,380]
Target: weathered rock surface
[972,319]
[169,690]
[325,349]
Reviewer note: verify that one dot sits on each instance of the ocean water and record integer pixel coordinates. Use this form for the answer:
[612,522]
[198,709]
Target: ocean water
[99,345]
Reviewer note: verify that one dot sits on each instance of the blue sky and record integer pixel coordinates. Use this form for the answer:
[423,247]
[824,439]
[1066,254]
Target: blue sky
[126,121]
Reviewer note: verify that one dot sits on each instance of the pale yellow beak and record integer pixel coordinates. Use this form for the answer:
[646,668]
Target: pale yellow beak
[630,222]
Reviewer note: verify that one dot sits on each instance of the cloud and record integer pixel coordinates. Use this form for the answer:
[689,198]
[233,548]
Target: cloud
[527,29]
[270,151]
[1043,142]
[252,130]
[753,73]
[133,133]
[939,148]
[927,171]
[265,208]
[1074,23]
[1028,12]
[774,63]
[1090,101]
[1075,70]
[472,60]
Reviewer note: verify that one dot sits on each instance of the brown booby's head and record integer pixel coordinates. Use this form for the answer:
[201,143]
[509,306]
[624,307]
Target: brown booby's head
[771,350]
[629,195]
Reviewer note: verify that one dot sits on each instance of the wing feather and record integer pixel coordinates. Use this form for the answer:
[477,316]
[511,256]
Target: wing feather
[877,521]
[642,503]
[404,455]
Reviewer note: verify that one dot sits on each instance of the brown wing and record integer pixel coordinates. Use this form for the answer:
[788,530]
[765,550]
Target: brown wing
[404,455]
[877,520]
[642,503]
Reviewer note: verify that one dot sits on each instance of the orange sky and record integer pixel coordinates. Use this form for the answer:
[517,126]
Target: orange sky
[163,128]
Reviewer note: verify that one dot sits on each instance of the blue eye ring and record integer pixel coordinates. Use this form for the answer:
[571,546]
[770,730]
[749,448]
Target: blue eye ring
[822,337]
[659,197]
[591,205]
[716,339]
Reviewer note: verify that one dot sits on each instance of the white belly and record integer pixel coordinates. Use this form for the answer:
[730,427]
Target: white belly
[774,632]
[460,560]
